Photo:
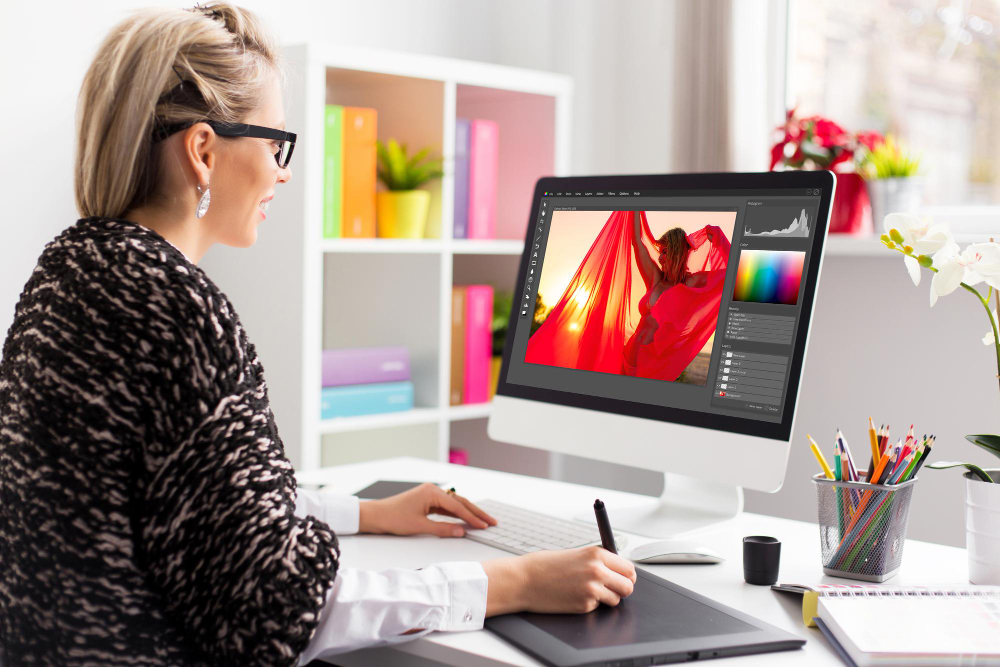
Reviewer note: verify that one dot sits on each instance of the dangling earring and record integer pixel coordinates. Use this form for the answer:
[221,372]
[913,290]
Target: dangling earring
[206,199]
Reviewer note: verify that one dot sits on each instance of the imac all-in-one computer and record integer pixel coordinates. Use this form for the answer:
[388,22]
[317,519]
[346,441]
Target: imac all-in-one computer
[661,322]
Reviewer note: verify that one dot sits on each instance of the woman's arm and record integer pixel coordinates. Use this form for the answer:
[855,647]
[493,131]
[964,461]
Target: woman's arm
[651,273]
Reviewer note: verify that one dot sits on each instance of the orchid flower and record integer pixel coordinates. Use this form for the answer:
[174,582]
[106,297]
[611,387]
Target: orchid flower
[978,262]
[929,245]
[923,236]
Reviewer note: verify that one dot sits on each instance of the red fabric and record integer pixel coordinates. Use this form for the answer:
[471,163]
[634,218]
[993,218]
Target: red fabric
[588,327]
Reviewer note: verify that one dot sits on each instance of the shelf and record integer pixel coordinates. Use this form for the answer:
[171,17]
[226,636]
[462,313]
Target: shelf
[487,246]
[384,420]
[843,245]
[425,246]
[406,418]
[388,246]
[473,411]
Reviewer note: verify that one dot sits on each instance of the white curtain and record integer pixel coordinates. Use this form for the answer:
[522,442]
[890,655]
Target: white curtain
[729,83]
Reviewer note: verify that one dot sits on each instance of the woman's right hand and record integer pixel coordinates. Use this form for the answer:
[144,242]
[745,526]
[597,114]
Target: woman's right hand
[567,581]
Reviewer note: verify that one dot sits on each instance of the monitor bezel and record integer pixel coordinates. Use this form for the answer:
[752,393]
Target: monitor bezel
[824,180]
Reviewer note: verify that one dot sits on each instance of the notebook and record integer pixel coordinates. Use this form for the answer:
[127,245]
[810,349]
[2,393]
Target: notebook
[895,625]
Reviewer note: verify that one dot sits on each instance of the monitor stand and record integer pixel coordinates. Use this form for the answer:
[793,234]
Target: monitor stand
[686,505]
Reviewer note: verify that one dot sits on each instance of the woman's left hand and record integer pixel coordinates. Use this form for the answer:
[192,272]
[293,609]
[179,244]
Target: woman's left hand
[406,513]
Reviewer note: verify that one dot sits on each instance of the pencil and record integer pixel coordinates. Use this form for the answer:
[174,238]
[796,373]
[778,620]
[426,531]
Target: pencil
[851,468]
[879,468]
[874,440]
[819,457]
[888,467]
[927,452]
[901,468]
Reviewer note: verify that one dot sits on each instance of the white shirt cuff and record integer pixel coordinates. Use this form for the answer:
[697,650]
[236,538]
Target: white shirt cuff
[341,513]
[365,608]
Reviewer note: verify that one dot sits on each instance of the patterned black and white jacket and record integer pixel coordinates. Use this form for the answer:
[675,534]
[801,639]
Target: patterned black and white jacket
[146,503]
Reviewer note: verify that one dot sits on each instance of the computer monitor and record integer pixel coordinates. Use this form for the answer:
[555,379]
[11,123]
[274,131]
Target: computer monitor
[661,322]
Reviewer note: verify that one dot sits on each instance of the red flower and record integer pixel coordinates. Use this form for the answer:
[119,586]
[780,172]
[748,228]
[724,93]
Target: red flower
[870,139]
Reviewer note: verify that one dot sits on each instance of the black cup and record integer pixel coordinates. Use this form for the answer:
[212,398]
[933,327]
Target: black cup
[761,556]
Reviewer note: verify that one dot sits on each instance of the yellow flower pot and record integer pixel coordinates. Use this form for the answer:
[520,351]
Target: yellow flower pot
[402,214]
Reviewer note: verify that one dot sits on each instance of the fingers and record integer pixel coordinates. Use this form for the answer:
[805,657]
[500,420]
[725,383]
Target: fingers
[441,528]
[458,509]
[620,585]
[607,596]
[616,563]
[476,510]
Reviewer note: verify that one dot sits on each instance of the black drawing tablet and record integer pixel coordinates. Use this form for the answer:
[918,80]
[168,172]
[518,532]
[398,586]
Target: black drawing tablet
[659,623]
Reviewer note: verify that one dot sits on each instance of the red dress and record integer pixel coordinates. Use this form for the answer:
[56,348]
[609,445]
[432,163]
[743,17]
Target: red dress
[587,329]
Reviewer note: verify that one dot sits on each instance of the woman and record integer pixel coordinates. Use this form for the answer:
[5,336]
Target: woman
[148,513]
[679,310]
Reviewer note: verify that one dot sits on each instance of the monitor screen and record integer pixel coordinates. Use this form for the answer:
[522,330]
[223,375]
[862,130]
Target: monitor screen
[681,304]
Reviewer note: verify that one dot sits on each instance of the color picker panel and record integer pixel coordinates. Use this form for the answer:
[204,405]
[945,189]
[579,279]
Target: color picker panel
[769,276]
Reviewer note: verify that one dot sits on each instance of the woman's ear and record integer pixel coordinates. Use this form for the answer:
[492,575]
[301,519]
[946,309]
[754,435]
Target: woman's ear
[200,147]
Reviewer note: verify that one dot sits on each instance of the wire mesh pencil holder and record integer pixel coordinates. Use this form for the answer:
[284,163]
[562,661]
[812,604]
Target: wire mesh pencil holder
[862,527]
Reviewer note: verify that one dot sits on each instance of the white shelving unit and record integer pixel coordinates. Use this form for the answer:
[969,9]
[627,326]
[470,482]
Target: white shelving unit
[298,293]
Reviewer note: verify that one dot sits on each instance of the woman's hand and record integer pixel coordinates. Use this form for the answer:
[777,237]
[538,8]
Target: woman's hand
[406,513]
[568,581]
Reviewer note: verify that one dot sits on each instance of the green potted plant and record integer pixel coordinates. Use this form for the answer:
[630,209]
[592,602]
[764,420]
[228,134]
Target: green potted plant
[891,174]
[401,211]
[931,246]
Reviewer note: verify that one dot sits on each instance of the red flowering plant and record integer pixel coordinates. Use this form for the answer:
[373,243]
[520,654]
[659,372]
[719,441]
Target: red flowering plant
[819,143]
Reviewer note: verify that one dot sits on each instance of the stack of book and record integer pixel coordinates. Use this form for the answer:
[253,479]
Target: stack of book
[477,151]
[365,381]
[471,343]
[349,168]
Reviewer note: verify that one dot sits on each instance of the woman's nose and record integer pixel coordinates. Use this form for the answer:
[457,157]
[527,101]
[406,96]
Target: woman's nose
[284,175]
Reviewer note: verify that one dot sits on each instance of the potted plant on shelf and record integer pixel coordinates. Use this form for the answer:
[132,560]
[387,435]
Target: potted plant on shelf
[890,172]
[819,143]
[932,246]
[401,211]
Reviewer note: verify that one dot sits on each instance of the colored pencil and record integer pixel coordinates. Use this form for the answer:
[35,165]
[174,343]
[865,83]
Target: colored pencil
[874,442]
[888,467]
[819,457]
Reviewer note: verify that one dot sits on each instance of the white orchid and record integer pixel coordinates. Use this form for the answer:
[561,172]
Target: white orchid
[931,245]
[977,263]
[923,236]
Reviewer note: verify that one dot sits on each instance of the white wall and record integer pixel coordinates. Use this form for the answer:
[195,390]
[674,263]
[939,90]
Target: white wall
[907,364]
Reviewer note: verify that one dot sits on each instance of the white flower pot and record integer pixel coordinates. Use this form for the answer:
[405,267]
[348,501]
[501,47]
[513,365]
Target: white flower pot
[982,528]
[893,195]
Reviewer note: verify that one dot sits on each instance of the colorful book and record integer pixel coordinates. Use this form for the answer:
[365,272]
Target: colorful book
[365,365]
[365,399]
[478,342]
[359,168]
[462,178]
[484,153]
[456,394]
[333,177]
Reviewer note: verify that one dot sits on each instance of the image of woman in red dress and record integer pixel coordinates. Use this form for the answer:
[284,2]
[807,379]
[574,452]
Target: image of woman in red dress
[679,310]
[597,325]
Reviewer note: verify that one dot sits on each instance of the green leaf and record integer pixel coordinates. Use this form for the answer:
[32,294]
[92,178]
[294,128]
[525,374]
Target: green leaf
[987,441]
[925,261]
[976,470]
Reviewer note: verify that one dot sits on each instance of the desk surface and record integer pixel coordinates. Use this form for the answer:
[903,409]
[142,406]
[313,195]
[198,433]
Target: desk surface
[923,563]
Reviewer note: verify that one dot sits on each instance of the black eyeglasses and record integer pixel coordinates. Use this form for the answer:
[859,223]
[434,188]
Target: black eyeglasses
[286,140]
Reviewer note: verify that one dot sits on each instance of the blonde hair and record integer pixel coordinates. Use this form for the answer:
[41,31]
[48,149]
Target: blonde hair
[225,58]
[675,243]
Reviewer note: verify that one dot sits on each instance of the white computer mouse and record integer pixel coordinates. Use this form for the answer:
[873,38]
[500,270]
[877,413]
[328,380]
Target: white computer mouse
[674,551]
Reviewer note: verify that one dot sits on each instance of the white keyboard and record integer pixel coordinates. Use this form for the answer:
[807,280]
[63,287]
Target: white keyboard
[522,531]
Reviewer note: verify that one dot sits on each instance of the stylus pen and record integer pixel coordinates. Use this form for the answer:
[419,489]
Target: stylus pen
[604,526]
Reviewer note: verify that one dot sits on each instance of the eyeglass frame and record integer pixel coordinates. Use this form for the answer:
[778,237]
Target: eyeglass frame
[236,130]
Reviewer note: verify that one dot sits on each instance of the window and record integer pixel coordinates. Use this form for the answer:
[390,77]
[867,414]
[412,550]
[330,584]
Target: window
[927,71]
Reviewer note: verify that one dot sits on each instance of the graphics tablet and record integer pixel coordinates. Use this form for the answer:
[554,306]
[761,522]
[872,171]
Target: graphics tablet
[660,622]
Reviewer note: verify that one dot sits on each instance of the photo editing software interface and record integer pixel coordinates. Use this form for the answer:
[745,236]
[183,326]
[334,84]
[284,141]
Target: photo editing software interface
[684,299]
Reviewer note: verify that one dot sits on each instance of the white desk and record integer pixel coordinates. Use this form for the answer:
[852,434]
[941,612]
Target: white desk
[923,563]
